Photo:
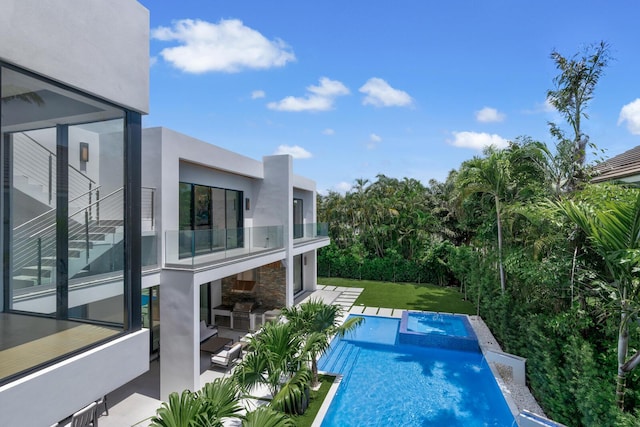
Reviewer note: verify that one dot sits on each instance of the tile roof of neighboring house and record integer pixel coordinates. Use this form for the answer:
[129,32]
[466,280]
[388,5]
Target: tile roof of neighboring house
[618,167]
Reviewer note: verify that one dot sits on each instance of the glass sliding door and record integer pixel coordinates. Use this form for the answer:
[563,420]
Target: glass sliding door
[234,219]
[211,219]
[297,274]
[202,224]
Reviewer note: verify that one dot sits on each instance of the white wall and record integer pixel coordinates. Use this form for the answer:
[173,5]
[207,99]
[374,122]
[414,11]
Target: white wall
[53,393]
[99,47]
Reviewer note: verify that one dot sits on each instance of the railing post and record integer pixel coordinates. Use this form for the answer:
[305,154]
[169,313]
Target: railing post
[153,193]
[90,207]
[39,261]
[86,232]
[98,207]
[50,179]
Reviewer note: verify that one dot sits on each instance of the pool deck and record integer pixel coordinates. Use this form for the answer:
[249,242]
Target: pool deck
[134,403]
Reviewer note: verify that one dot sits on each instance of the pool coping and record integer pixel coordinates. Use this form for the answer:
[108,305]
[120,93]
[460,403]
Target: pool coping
[486,342]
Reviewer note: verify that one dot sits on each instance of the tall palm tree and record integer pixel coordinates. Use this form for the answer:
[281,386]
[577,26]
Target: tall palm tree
[614,232]
[490,176]
[317,322]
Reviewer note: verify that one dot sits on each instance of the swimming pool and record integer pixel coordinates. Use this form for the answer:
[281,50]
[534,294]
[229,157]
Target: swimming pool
[388,383]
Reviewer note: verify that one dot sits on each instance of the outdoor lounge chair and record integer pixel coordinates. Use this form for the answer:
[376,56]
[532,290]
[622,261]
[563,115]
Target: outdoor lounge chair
[225,357]
[207,332]
[85,417]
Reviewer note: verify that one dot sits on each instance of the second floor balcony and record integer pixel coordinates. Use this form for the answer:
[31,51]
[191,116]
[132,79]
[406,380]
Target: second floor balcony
[199,248]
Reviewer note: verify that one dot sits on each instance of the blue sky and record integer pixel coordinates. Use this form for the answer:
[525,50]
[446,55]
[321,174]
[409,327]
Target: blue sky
[405,88]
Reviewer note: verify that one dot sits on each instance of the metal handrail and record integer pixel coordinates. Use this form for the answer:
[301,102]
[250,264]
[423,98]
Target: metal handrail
[54,154]
[53,209]
[81,210]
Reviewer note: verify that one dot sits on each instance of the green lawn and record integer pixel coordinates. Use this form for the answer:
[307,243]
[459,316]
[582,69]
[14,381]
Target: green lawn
[405,295]
[317,398]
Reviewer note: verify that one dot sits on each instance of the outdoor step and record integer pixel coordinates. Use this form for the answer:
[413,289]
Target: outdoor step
[328,363]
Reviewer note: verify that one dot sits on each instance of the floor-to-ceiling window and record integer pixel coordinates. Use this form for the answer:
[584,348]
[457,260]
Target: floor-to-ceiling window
[211,219]
[64,168]
[151,316]
[298,226]
[297,273]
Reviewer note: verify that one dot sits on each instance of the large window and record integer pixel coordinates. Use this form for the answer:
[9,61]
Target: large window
[298,222]
[64,202]
[211,219]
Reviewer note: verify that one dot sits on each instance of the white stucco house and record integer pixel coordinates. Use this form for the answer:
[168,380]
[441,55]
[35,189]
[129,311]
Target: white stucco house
[118,242]
[234,238]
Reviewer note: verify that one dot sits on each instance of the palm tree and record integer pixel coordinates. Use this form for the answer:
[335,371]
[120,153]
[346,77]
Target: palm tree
[264,416]
[614,232]
[182,410]
[221,399]
[491,176]
[274,359]
[317,322]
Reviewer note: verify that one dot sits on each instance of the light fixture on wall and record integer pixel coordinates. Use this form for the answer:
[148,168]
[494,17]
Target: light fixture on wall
[247,204]
[84,152]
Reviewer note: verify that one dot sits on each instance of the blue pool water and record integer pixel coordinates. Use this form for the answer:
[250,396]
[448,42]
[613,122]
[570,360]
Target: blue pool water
[436,323]
[386,383]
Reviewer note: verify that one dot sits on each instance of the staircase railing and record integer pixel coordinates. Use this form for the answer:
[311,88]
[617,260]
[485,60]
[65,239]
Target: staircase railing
[37,163]
[37,246]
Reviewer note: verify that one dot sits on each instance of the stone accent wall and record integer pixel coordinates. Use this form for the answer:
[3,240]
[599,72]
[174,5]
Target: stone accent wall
[269,292]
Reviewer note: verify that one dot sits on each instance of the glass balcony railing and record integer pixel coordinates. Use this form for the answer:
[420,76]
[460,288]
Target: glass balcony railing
[310,231]
[200,247]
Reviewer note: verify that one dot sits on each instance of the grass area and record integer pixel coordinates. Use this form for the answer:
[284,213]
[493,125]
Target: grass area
[409,296]
[317,398]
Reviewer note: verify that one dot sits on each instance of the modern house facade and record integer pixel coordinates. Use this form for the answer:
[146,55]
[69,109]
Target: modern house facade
[73,87]
[235,239]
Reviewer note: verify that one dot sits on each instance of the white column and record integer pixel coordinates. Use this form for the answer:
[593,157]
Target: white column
[179,333]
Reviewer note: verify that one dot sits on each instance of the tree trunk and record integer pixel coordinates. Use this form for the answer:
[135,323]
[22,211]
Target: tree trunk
[623,346]
[499,224]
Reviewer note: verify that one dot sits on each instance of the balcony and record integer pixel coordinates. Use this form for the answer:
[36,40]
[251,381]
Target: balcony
[310,236]
[199,248]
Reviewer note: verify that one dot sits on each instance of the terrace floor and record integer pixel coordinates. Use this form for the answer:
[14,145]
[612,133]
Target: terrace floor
[30,341]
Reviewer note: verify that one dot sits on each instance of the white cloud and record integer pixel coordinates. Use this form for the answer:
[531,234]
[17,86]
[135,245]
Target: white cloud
[342,187]
[630,113]
[227,46]
[256,94]
[318,98]
[153,60]
[381,94]
[329,131]
[489,115]
[548,107]
[478,140]
[295,151]
[373,141]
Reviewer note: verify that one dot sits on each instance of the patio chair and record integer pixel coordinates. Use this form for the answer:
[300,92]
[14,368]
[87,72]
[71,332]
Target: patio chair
[224,358]
[85,417]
